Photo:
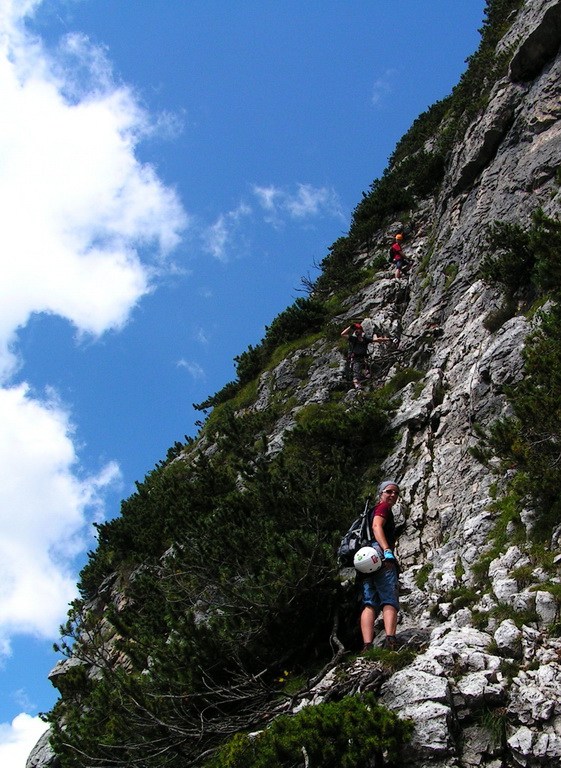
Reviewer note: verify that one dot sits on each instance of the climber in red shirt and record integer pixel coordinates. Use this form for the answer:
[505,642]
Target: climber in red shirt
[398,259]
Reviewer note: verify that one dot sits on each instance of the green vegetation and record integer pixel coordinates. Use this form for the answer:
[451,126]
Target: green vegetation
[495,720]
[423,575]
[413,172]
[523,575]
[520,617]
[340,734]
[303,366]
[524,263]
[460,597]
[400,380]
[396,191]
[527,264]
[528,441]
[226,572]
[392,661]
[219,574]
[451,272]
[306,316]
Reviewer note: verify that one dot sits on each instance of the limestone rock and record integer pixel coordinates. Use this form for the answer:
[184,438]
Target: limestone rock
[42,755]
[469,660]
[509,639]
[432,727]
[541,45]
[546,607]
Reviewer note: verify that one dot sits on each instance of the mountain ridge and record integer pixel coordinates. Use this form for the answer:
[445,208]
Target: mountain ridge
[159,610]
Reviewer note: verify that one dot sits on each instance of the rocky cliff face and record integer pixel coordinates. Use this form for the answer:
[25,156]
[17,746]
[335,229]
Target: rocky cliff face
[467,710]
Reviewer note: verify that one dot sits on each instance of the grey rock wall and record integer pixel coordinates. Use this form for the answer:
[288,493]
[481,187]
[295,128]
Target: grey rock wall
[482,692]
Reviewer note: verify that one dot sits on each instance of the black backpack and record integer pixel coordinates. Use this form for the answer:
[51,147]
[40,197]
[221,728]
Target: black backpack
[358,535]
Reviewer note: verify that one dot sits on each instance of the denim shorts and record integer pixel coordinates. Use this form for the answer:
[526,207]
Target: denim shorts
[381,588]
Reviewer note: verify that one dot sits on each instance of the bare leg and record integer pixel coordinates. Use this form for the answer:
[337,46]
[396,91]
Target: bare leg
[367,621]
[389,615]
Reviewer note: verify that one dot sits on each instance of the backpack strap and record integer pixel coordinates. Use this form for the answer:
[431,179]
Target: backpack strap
[365,527]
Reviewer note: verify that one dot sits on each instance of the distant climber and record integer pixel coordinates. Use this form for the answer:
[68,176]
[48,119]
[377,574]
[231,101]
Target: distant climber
[398,259]
[358,350]
[380,589]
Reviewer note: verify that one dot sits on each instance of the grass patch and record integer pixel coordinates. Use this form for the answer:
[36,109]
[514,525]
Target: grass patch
[423,574]
[292,346]
[504,611]
[459,597]
[302,366]
[392,661]
[400,380]
[495,721]
[451,272]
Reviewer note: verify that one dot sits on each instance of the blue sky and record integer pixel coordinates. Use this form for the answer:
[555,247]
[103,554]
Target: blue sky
[171,169]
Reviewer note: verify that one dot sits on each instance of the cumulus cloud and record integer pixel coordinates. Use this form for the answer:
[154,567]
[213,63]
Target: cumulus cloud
[43,507]
[18,738]
[77,205]
[85,229]
[306,202]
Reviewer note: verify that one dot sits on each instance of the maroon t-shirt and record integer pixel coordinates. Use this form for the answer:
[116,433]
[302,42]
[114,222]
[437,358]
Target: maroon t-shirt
[384,509]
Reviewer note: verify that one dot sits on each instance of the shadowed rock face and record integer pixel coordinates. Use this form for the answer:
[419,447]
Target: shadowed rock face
[467,710]
[540,46]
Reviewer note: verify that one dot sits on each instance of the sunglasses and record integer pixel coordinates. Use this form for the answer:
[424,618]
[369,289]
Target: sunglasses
[394,492]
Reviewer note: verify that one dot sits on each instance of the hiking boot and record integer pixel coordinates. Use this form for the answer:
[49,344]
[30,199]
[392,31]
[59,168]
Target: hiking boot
[367,647]
[390,642]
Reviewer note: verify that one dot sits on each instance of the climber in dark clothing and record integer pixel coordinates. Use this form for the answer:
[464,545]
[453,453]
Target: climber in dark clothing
[358,349]
[398,259]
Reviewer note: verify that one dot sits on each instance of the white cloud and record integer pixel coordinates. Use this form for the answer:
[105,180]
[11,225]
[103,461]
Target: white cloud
[76,203]
[43,511]
[383,86]
[225,236]
[268,196]
[18,738]
[311,201]
[306,202]
[202,336]
[22,699]
[85,228]
[195,370]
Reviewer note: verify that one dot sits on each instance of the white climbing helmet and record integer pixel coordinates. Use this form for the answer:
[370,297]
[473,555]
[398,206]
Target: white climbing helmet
[367,560]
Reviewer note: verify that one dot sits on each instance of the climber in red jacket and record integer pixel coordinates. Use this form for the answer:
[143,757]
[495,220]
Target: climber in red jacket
[398,259]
